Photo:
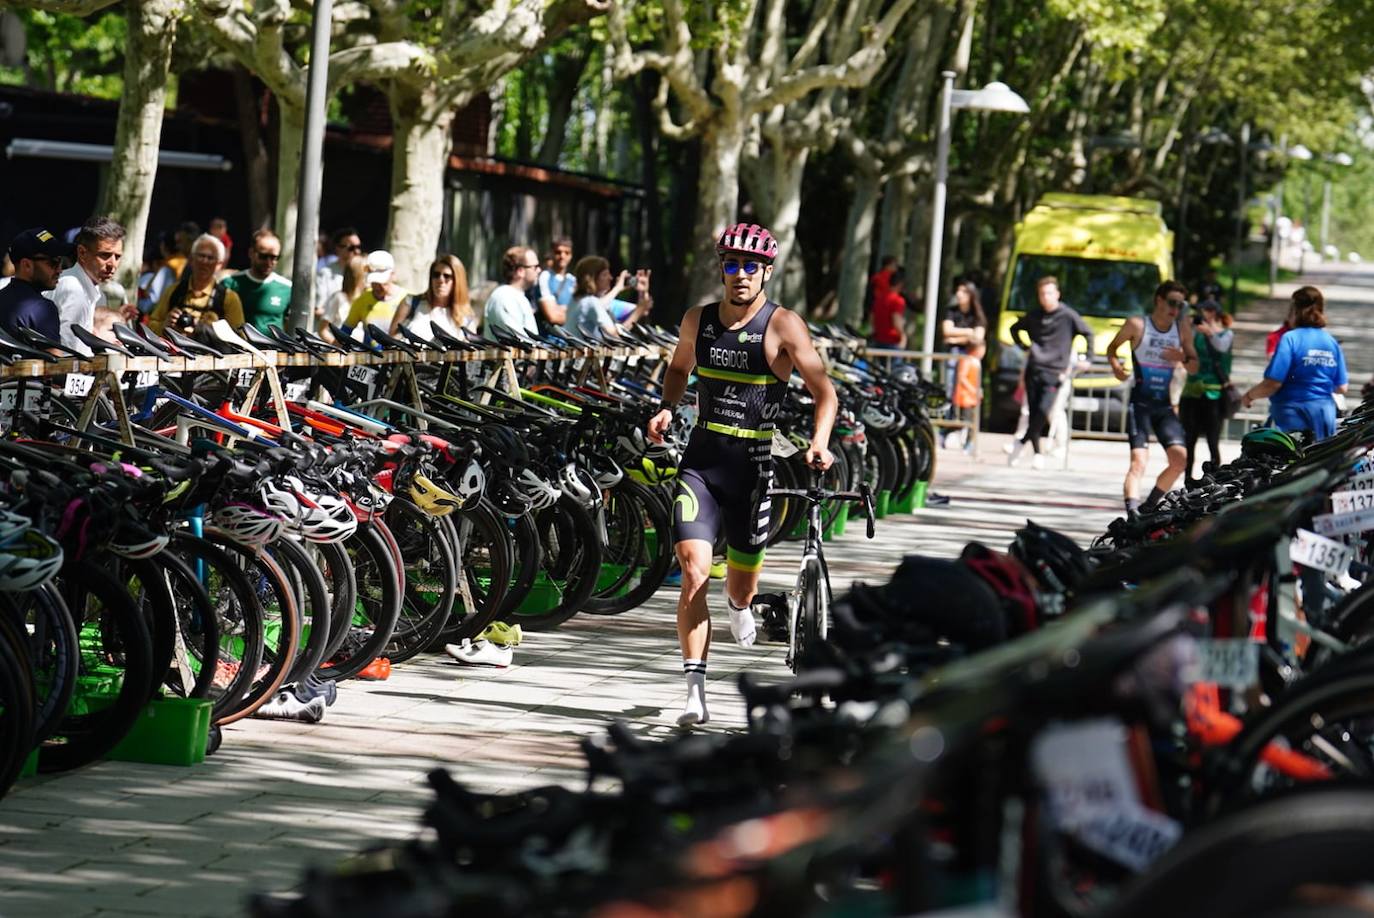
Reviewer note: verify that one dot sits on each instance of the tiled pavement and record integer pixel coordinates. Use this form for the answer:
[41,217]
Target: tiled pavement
[120,839]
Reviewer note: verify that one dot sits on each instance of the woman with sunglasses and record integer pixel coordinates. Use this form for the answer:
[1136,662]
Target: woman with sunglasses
[446,303]
[743,350]
[1160,343]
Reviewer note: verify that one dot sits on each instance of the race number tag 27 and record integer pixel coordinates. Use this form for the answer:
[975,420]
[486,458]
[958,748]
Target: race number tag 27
[146,379]
[78,385]
[1312,550]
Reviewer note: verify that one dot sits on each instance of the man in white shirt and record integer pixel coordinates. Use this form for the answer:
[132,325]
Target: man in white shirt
[556,286]
[508,308]
[78,297]
[329,277]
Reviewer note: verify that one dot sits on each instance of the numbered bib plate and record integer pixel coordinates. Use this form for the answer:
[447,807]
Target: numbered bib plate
[1350,501]
[78,385]
[1229,662]
[1319,552]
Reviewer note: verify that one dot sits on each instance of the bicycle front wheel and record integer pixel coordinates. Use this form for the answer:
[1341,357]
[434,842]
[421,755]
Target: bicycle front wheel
[810,611]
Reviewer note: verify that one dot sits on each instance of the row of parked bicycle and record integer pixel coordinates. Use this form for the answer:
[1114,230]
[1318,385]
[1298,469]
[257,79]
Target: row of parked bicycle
[227,552]
[1176,720]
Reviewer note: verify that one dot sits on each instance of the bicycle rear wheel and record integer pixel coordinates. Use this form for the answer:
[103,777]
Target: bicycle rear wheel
[376,609]
[54,655]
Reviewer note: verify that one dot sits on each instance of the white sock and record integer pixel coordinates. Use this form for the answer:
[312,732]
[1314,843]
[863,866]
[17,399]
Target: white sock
[694,711]
[742,625]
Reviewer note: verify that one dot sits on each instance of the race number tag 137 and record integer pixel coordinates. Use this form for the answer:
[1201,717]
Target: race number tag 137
[1362,482]
[1312,550]
[1350,501]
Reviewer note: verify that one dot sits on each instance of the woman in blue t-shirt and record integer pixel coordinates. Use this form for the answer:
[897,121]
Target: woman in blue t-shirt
[1306,370]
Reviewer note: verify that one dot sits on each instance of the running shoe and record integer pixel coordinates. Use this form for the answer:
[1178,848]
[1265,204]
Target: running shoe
[480,653]
[286,706]
[376,671]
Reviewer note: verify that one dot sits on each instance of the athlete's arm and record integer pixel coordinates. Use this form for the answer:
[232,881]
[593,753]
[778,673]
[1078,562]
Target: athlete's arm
[1128,332]
[680,366]
[795,340]
[1185,341]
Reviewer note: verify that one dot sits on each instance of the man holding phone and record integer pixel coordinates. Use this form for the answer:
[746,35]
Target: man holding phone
[743,349]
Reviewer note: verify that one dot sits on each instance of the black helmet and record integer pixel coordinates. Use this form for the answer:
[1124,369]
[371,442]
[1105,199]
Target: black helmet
[1054,558]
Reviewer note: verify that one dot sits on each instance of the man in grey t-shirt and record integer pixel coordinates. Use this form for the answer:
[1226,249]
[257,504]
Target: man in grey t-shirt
[508,308]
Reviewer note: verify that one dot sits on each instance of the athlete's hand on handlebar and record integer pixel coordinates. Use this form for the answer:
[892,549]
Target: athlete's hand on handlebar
[658,425]
[818,457]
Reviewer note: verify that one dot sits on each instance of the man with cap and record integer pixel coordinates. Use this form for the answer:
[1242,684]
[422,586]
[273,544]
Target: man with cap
[377,304]
[37,256]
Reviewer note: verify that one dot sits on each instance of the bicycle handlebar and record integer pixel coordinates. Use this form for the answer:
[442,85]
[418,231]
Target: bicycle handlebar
[817,494]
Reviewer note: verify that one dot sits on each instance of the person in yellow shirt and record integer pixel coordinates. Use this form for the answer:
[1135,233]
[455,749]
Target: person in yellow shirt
[378,303]
[196,298]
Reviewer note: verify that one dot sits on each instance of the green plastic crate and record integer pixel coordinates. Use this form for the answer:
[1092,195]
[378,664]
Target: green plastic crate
[882,503]
[169,731]
[838,524]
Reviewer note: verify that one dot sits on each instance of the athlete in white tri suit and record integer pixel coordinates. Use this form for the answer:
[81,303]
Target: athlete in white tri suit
[1160,342]
[743,349]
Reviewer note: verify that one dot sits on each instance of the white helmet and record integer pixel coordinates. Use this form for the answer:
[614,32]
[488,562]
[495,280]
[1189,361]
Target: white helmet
[30,562]
[13,526]
[878,417]
[247,524]
[573,486]
[146,545]
[333,520]
[540,493]
[279,498]
[469,482]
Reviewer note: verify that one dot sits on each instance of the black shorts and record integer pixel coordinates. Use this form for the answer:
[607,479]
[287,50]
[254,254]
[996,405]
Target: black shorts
[1146,419]
[723,486]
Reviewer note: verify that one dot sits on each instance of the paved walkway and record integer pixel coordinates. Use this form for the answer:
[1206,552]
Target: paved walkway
[119,839]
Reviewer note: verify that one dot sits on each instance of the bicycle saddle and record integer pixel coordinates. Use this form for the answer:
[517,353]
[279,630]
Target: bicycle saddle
[418,339]
[28,336]
[188,344]
[100,345]
[285,342]
[136,343]
[386,341]
[452,342]
[317,345]
[262,342]
[348,342]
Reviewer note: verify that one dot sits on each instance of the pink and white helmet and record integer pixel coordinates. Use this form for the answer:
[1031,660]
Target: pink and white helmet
[747,239]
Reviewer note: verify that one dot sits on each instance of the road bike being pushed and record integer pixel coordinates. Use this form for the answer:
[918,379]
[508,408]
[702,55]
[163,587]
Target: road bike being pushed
[807,606]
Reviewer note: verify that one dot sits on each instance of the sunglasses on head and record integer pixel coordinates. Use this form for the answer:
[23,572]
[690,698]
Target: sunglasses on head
[732,266]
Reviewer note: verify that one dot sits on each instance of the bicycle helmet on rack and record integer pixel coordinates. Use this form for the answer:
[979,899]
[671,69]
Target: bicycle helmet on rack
[879,416]
[469,481]
[658,464]
[247,524]
[573,486]
[539,492]
[905,375]
[136,542]
[281,500]
[12,527]
[1269,443]
[328,518]
[602,468]
[747,239]
[31,561]
[1054,558]
[507,499]
[430,497]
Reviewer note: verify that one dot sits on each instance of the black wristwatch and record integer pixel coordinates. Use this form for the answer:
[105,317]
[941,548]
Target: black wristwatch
[668,406]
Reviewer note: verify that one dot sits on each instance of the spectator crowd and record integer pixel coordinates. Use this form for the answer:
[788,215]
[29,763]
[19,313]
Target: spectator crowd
[61,288]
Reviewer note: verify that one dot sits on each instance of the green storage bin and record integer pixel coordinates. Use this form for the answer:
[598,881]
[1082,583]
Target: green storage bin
[169,731]
[544,595]
[919,494]
[837,525]
[881,503]
[905,503]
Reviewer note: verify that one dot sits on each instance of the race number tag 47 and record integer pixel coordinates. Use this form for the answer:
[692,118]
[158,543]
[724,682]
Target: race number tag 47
[245,377]
[1312,550]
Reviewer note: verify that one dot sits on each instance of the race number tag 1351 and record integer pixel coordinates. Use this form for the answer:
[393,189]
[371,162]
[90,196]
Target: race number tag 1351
[1312,550]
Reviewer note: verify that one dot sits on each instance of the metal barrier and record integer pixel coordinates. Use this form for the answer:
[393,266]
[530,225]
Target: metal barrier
[970,426]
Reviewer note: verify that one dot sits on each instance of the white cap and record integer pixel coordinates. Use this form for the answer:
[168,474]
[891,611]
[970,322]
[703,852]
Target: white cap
[380,264]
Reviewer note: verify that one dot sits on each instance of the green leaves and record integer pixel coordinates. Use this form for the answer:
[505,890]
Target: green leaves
[72,54]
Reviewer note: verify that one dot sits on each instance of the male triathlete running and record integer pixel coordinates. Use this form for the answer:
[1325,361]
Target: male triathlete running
[1160,342]
[744,350]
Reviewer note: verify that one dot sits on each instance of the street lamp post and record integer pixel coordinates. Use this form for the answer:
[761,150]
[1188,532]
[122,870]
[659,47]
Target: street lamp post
[1339,159]
[994,97]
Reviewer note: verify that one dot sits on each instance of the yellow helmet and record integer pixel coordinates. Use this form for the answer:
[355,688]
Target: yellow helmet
[432,498]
